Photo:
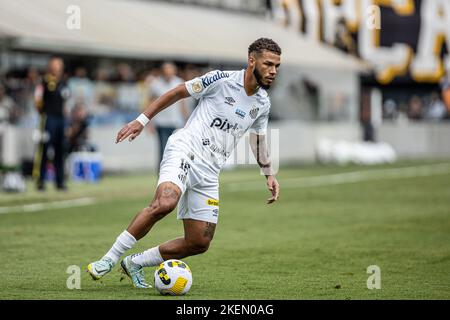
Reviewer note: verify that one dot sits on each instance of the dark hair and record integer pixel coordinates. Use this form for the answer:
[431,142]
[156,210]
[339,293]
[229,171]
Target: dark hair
[264,44]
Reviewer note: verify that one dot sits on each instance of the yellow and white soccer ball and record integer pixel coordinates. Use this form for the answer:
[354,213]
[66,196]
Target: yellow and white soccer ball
[173,277]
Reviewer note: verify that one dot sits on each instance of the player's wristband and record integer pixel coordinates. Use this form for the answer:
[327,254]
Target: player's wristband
[142,119]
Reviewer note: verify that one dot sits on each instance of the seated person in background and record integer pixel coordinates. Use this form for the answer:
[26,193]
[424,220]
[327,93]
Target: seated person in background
[77,131]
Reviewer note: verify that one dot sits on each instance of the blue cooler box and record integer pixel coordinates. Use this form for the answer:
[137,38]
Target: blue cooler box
[86,166]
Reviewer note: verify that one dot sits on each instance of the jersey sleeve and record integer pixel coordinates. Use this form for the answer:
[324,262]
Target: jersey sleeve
[206,85]
[259,127]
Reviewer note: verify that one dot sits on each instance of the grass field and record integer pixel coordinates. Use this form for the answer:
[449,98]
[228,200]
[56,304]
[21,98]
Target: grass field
[329,225]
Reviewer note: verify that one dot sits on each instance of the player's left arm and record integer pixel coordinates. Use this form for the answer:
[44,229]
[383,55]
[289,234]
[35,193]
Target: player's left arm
[258,144]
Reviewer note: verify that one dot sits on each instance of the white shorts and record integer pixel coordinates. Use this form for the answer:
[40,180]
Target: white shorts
[198,184]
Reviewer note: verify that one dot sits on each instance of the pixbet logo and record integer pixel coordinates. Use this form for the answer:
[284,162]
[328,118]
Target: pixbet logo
[223,125]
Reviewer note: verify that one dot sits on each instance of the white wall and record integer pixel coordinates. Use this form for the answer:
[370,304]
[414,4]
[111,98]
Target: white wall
[417,140]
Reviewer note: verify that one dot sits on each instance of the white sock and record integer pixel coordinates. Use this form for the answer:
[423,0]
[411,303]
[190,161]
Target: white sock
[124,242]
[148,258]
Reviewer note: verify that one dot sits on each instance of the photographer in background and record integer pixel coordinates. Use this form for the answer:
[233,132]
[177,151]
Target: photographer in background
[78,130]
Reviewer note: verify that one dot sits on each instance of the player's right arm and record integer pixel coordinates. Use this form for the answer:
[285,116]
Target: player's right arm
[134,128]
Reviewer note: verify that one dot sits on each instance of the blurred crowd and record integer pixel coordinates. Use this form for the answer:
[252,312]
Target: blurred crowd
[431,107]
[113,95]
[116,95]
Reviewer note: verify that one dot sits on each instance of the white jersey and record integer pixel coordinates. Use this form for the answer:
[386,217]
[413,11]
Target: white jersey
[223,115]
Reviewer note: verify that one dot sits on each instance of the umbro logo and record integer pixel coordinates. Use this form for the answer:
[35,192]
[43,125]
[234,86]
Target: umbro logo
[230,101]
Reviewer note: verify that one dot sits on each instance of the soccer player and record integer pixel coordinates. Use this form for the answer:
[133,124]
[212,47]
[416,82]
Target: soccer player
[230,104]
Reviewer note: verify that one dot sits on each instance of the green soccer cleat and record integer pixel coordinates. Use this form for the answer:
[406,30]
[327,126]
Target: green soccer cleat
[100,268]
[135,272]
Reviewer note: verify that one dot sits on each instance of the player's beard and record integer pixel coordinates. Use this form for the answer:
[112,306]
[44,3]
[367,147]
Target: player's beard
[258,78]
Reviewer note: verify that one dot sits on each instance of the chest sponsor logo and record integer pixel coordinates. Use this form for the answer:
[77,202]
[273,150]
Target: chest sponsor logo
[207,81]
[224,125]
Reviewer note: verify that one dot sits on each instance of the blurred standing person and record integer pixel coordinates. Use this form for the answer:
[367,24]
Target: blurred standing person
[29,118]
[128,97]
[170,119]
[81,89]
[445,85]
[7,106]
[50,98]
[104,94]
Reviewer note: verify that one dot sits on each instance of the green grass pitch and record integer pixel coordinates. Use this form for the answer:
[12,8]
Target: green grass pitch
[316,242]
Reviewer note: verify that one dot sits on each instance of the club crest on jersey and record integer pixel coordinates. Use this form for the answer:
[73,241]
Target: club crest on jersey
[240,113]
[254,112]
[197,86]
[207,81]
[230,101]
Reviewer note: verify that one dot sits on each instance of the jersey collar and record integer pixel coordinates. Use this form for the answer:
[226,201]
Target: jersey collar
[240,81]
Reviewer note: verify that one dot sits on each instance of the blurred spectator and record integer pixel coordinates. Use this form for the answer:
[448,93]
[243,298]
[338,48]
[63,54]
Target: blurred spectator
[78,130]
[415,109]
[104,93]
[173,117]
[445,86]
[128,96]
[436,109]
[144,80]
[51,96]
[8,107]
[390,109]
[32,80]
[81,89]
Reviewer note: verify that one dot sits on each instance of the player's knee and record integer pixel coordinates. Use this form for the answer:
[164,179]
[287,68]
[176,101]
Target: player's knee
[166,205]
[198,246]
[159,208]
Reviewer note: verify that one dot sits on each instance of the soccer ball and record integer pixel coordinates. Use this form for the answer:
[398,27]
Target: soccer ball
[173,277]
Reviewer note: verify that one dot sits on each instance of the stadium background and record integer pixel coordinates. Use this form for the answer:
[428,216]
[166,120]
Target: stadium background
[346,95]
